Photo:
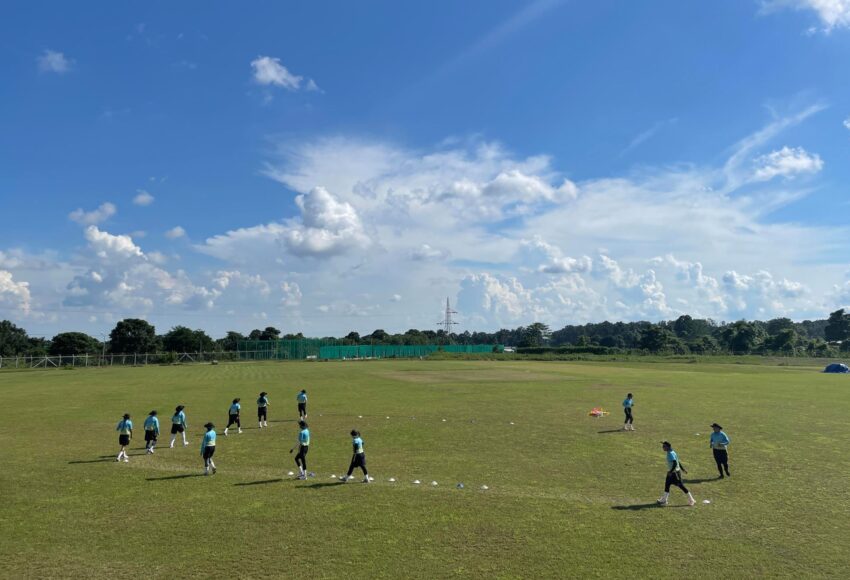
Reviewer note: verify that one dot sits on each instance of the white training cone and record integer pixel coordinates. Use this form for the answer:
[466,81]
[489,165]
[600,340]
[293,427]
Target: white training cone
[434,483]
[460,486]
[388,416]
[512,422]
[333,476]
[291,473]
[359,416]
[706,501]
[392,480]
[444,420]
[484,487]
[416,482]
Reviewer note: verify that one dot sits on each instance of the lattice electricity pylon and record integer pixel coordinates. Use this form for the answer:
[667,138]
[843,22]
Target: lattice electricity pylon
[447,323]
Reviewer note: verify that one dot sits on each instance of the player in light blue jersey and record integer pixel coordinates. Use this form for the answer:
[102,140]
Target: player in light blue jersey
[233,416]
[302,405]
[674,475]
[179,425]
[208,449]
[358,459]
[303,445]
[125,433]
[628,403]
[151,426]
[719,442]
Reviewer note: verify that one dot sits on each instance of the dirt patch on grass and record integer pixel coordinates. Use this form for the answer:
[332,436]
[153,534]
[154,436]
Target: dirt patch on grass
[471,376]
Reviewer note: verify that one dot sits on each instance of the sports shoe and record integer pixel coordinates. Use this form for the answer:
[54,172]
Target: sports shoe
[302,477]
[118,458]
[240,429]
[185,444]
[172,445]
[662,502]
[344,479]
[265,423]
[225,432]
[214,470]
[692,501]
[365,480]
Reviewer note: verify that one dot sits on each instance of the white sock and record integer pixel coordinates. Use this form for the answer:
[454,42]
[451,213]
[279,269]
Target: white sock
[120,453]
[665,495]
[173,437]
[184,437]
[690,496]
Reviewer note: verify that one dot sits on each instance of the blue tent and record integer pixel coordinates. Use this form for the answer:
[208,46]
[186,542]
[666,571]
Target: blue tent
[836,368]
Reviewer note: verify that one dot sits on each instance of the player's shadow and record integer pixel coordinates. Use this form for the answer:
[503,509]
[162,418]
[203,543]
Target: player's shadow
[263,482]
[102,460]
[701,480]
[643,506]
[320,485]
[613,431]
[169,477]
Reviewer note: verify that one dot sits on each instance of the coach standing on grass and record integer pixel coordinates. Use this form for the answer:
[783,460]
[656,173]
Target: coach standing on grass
[719,443]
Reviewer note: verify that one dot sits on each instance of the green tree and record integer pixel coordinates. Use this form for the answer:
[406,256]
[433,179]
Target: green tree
[783,341]
[837,326]
[656,338]
[270,333]
[230,342]
[132,335]
[74,343]
[183,339]
[13,340]
[535,334]
[743,337]
[353,337]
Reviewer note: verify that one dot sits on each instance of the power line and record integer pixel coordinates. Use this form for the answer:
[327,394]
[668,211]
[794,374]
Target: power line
[447,323]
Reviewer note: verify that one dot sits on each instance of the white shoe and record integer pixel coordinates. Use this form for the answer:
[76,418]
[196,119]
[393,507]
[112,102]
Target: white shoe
[151,450]
[662,502]
[344,479]
[172,445]
[185,444]
[365,480]
[692,501]
[240,429]
[265,423]
[118,458]
[225,432]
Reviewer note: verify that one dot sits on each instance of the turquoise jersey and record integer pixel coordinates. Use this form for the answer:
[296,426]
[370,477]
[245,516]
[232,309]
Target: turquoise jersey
[234,408]
[719,440]
[357,443]
[301,398]
[629,403]
[180,419]
[208,440]
[152,424]
[673,461]
[263,402]
[304,437]
[124,426]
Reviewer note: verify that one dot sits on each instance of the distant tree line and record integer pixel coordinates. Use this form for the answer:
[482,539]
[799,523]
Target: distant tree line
[685,335]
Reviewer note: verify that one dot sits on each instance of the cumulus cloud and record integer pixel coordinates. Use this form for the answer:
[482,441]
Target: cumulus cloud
[96,216]
[832,13]
[54,62]
[268,71]
[847,123]
[553,260]
[290,294]
[15,294]
[143,198]
[327,227]
[786,162]
[175,232]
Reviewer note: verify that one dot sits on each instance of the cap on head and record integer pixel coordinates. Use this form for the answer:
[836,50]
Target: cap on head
[263,394]
[180,408]
[209,426]
[716,426]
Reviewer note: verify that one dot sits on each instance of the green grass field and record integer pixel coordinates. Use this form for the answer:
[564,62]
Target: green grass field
[570,495]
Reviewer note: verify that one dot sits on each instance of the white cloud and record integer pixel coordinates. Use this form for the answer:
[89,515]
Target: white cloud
[786,162]
[553,260]
[328,227]
[847,123]
[16,294]
[832,13]
[96,216]
[143,198]
[426,253]
[175,232]
[395,298]
[268,71]
[55,62]
[291,294]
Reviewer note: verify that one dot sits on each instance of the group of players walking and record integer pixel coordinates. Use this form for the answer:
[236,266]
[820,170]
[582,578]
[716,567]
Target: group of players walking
[718,441]
[208,442]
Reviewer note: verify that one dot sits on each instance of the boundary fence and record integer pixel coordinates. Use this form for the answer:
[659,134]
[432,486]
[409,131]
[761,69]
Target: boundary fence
[104,360]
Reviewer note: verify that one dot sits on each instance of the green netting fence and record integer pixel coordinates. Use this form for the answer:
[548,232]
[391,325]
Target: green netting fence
[334,349]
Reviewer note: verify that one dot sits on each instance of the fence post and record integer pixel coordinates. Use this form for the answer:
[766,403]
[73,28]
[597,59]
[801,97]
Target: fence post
[134,359]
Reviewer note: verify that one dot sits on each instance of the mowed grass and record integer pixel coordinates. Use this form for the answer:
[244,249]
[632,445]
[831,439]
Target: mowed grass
[570,495]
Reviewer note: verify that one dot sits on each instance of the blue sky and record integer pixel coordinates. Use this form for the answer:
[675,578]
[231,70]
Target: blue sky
[327,167]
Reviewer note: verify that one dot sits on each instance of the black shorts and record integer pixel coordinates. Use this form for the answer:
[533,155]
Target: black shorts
[303,449]
[209,450]
[123,440]
[261,412]
[231,419]
[175,428]
[359,460]
[302,408]
[150,435]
